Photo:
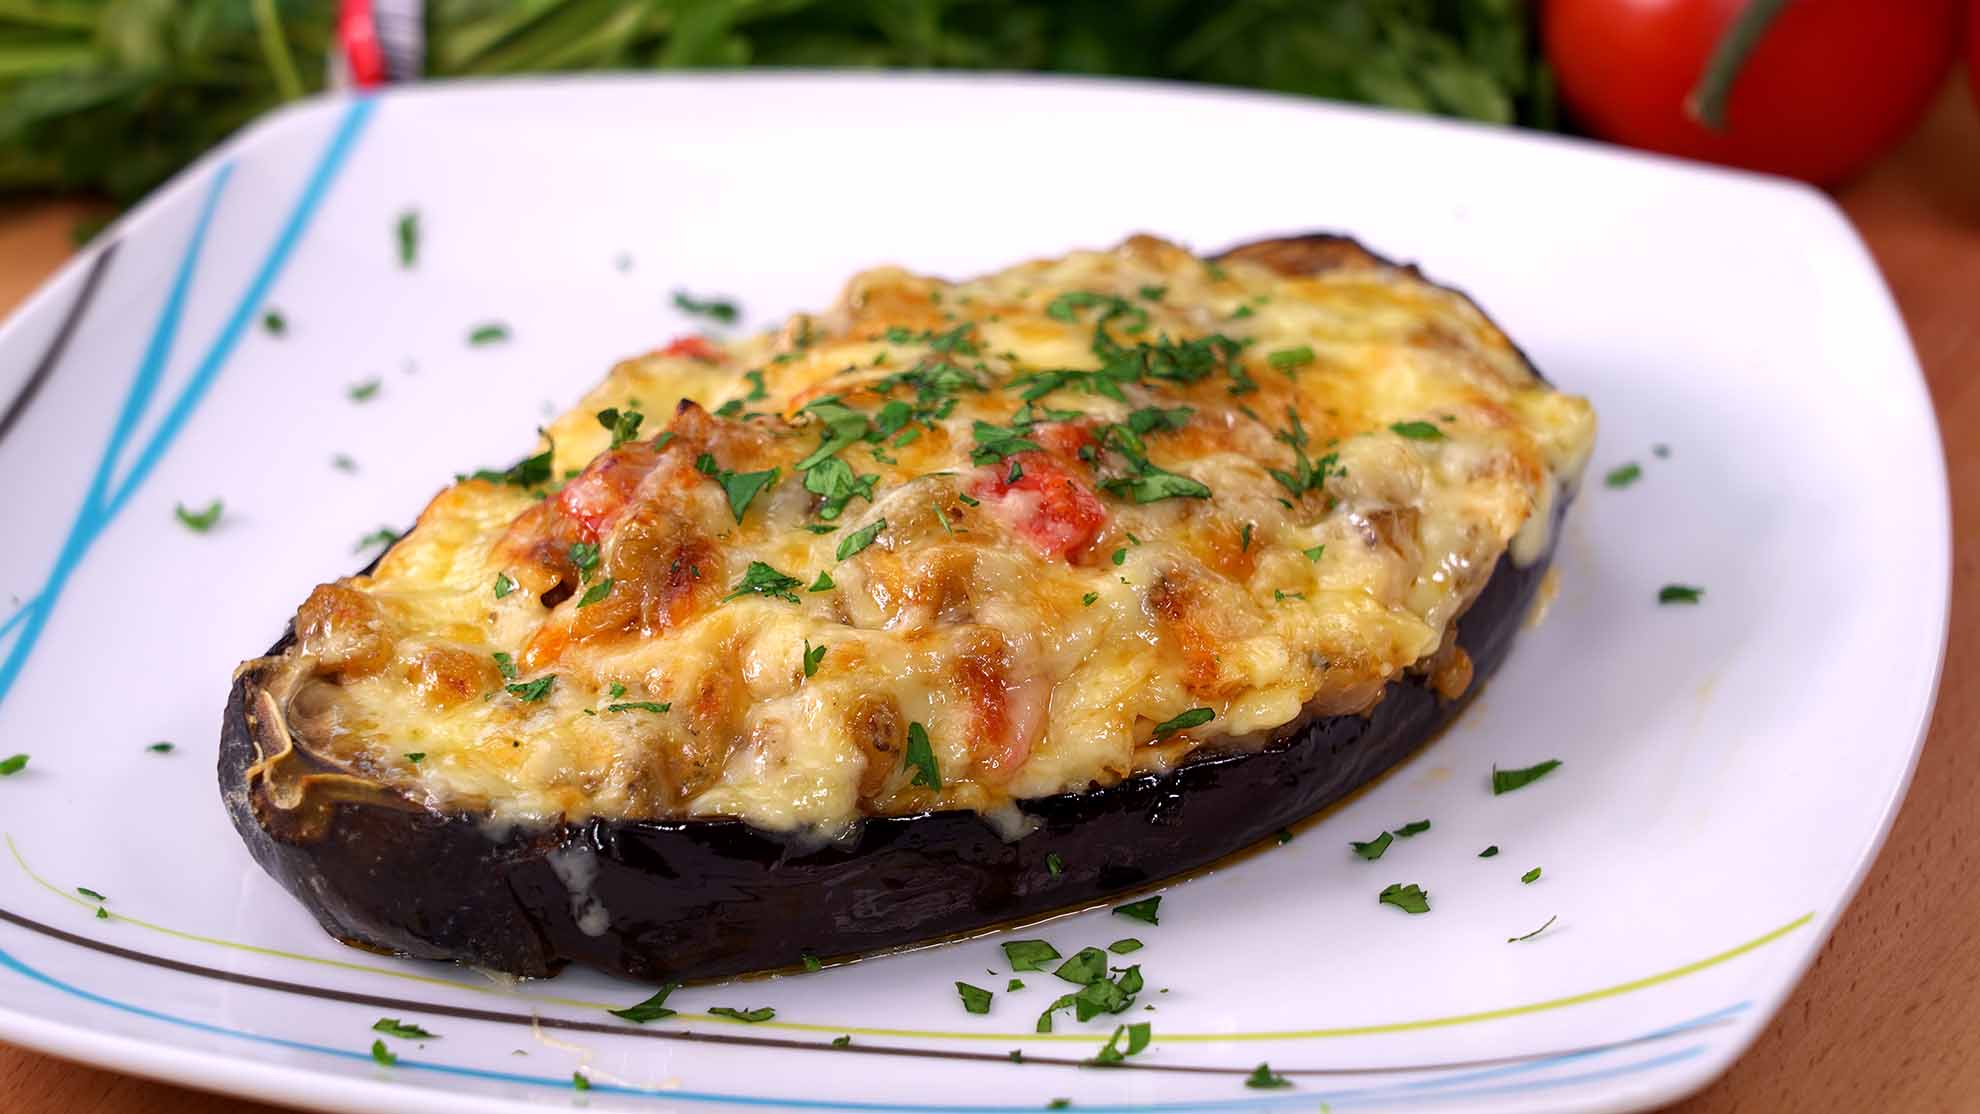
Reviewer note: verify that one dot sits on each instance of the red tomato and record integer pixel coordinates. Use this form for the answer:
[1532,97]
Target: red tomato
[693,347]
[1831,84]
[1049,506]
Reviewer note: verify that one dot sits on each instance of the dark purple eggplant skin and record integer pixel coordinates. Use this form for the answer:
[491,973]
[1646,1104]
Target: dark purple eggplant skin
[707,899]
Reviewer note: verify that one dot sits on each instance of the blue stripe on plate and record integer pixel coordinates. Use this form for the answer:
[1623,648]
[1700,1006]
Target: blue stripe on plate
[101,504]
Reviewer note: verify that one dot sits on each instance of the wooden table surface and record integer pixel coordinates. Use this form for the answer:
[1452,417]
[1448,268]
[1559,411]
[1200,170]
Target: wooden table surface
[1889,1017]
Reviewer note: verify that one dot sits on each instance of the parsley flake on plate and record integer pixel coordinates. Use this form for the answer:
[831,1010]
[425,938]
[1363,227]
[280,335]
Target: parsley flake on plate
[1147,909]
[1530,876]
[752,1017]
[1372,849]
[90,894]
[1414,827]
[494,332]
[1410,898]
[1137,1034]
[384,535]
[652,1009]
[1535,932]
[842,1042]
[1505,781]
[1029,955]
[1124,946]
[922,757]
[1489,852]
[382,1054]
[13,765]
[274,323]
[1086,966]
[1623,475]
[1054,865]
[813,655]
[408,235]
[579,1082]
[200,521]
[1263,1077]
[1680,593]
[393,1027]
[975,999]
[160,748]
[715,309]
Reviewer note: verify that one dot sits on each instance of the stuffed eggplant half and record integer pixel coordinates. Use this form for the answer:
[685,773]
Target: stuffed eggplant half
[954,605]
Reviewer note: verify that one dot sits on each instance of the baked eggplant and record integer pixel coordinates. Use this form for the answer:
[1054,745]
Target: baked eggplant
[1095,618]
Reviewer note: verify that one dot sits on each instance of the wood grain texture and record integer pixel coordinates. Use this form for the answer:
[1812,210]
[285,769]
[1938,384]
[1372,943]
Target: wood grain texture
[1889,1017]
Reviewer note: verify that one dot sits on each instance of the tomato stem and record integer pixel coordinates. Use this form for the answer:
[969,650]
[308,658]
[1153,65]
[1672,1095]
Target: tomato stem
[1707,102]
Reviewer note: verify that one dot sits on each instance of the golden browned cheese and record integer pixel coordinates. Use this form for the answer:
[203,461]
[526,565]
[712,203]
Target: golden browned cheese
[956,544]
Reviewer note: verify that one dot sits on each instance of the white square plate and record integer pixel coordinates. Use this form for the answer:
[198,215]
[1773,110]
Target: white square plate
[1729,769]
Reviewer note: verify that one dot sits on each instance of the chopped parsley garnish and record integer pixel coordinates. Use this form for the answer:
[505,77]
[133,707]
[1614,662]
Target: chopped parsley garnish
[275,323]
[761,1013]
[1414,827]
[1057,1104]
[1153,293]
[503,585]
[975,999]
[732,409]
[616,690]
[996,443]
[1147,909]
[1029,955]
[1142,480]
[1054,865]
[1264,1078]
[639,706]
[365,391]
[740,487]
[493,332]
[653,1009]
[414,756]
[384,535]
[1124,946]
[818,528]
[1409,899]
[1285,836]
[160,748]
[1623,475]
[811,962]
[1530,876]
[1679,593]
[1137,1039]
[763,580]
[102,914]
[1373,848]
[1120,557]
[1014,985]
[1307,475]
[393,1027]
[1087,965]
[505,664]
[408,227]
[343,462]
[13,765]
[812,656]
[842,1042]
[1195,717]
[861,538]
[715,309]
[529,692]
[1505,781]
[922,757]
[530,471]
[1417,431]
[382,1054]
[836,484]
[1087,599]
[1289,360]
[90,894]
[757,391]
[1489,852]
[585,556]
[1244,538]
[822,584]
[1535,932]
[623,424]
[840,427]
[579,1082]
[199,522]
[1314,553]
[1155,419]
[1281,595]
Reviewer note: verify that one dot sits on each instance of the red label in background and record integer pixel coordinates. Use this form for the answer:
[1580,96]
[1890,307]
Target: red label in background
[357,33]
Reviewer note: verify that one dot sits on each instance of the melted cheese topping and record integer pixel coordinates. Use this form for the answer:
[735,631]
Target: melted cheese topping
[1117,489]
